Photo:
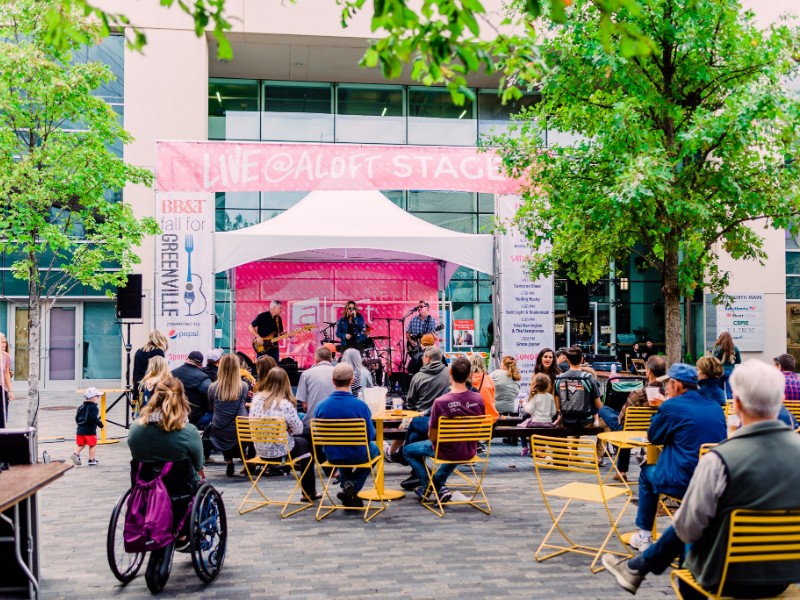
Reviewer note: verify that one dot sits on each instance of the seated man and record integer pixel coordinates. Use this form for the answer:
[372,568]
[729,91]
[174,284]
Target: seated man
[459,402]
[683,423]
[741,472]
[341,404]
[195,383]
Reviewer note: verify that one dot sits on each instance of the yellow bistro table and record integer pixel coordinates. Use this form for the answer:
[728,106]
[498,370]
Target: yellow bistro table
[631,439]
[379,490]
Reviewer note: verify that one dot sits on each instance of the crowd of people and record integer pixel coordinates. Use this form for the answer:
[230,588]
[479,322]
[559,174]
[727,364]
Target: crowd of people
[564,392]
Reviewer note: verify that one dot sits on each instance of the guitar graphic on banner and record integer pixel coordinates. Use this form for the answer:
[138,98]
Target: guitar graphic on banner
[194,283]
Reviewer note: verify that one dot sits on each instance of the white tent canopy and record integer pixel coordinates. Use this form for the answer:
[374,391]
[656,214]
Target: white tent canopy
[351,225]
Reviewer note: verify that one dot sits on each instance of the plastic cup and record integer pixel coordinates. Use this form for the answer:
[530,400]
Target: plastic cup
[397,406]
[653,395]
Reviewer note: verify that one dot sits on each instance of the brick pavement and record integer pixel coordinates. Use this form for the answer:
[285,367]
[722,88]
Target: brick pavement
[406,552]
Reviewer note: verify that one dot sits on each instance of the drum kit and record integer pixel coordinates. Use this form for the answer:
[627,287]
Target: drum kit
[375,356]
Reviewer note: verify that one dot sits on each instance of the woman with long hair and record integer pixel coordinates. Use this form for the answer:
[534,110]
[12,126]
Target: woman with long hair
[483,384]
[361,375]
[709,372]
[227,397]
[156,345]
[264,365]
[726,352]
[162,433]
[546,363]
[275,399]
[506,383]
[157,369]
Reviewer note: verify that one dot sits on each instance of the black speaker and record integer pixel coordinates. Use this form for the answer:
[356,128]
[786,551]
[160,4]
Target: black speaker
[129,298]
[577,299]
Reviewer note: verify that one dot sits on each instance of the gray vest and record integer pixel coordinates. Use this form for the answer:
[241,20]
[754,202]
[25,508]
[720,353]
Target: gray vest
[761,462]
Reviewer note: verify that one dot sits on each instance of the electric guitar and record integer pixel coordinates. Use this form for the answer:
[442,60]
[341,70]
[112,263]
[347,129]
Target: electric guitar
[261,345]
[415,349]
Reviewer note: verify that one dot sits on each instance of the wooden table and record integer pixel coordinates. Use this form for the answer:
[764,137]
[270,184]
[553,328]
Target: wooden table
[17,484]
[379,491]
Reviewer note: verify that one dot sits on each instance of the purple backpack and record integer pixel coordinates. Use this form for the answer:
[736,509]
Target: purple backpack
[148,523]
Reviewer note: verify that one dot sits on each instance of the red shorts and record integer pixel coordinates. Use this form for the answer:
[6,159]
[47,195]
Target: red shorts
[86,440]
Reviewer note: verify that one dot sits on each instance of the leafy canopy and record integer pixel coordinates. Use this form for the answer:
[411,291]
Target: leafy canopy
[56,163]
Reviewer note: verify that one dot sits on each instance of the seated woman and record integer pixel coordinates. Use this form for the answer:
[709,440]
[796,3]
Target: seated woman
[227,397]
[709,377]
[276,400]
[162,434]
[157,369]
[483,384]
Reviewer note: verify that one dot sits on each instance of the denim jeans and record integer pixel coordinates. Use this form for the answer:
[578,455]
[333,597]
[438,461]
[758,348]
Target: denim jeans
[611,418]
[658,557]
[417,430]
[358,476]
[204,421]
[416,454]
[648,498]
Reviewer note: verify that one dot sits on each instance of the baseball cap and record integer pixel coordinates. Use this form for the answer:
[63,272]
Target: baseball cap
[92,392]
[681,372]
[195,357]
[786,362]
[214,354]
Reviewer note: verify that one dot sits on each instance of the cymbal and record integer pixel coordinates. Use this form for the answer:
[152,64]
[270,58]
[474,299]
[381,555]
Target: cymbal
[379,337]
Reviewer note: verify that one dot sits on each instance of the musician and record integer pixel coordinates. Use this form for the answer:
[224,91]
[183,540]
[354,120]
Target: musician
[350,328]
[421,324]
[266,324]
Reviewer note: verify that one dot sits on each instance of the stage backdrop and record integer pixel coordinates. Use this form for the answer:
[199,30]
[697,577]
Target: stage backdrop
[314,293]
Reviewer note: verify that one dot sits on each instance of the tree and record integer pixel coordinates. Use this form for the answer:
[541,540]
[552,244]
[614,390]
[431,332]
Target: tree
[682,153]
[56,168]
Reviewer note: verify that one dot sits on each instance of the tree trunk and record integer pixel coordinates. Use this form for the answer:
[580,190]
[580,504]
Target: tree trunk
[34,336]
[672,306]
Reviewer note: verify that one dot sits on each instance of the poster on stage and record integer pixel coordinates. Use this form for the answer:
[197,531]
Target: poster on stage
[527,320]
[184,289]
[463,333]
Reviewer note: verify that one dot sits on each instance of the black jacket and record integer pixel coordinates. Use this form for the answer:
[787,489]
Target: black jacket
[140,361]
[196,384]
[88,418]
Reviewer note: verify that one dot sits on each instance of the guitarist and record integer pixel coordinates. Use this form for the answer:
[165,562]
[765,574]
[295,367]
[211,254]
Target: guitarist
[350,328]
[421,324]
[266,324]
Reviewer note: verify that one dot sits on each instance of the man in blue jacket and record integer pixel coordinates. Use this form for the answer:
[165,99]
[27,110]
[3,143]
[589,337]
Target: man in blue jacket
[683,423]
[341,404]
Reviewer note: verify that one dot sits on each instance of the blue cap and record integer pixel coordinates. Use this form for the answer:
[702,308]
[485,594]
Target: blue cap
[681,372]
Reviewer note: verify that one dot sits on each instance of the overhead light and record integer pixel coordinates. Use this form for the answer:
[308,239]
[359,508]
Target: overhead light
[219,98]
[623,284]
[383,114]
[461,116]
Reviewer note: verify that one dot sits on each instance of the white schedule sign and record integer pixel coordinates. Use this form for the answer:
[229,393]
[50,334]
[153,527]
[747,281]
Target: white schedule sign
[527,323]
[744,320]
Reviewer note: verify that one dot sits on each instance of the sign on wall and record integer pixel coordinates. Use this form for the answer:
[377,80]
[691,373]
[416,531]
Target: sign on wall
[527,323]
[744,320]
[184,290]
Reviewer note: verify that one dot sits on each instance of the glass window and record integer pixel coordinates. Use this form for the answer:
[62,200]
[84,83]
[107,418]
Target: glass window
[462,291]
[398,197]
[494,117]
[793,263]
[370,114]
[486,203]
[793,288]
[281,200]
[792,241]
[233,109]
[441,201]
[297,112]
[231,219]
[102,341]
[452,221]
[433,117]
[248,200]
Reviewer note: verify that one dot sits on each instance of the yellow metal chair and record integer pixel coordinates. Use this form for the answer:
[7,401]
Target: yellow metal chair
[662,498]
[637,418]
[793,406]
[269,430]
[454,430]
[343,432]
[728,408]
[754,536]
[576,456]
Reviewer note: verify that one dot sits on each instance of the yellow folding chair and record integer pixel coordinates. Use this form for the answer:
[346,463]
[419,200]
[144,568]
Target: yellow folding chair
[754,536]
[637,418]
[454,430]
[662,498]
[576,456]
[268,430]
[793,406]
[343,432]
[639,365]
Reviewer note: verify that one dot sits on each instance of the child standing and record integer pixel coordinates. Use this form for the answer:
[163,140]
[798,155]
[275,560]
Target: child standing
[88,420]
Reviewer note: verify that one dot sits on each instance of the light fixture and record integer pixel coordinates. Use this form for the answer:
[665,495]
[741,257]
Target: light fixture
[624,284]
[383,113]
[219,98]
[461,116]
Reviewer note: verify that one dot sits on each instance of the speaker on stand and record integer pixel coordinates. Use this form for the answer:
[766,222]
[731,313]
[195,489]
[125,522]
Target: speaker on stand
[129,309]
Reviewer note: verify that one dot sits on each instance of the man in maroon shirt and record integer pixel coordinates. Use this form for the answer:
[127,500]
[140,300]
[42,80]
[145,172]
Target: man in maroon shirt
[459,402]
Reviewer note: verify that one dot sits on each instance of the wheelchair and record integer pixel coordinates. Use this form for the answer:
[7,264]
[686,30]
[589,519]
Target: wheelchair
[198,514]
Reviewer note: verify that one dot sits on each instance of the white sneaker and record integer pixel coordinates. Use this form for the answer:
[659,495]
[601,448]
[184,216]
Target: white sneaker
[387,454]
[76,459]
[641,541]
[458,497]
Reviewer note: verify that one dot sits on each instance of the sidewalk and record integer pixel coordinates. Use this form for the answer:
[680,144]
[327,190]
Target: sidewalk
[406,552]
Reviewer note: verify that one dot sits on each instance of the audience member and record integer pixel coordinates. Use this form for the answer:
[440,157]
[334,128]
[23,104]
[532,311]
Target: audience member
[227,396]
[156,345]
[315,385]
[709,373]
[506,385]
[361,375]
[211,368]
[483,384]
[157,370]
[726,352]
[786,364]
[195,385]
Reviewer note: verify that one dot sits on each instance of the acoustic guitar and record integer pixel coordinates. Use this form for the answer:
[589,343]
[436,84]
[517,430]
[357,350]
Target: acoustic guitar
[262,345]
[415,350]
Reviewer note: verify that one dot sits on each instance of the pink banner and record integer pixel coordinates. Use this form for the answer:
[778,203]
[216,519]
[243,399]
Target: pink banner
[315,294]
[260,166]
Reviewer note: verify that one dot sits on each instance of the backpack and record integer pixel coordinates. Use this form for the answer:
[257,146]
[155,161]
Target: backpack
[574,394]
[148,522]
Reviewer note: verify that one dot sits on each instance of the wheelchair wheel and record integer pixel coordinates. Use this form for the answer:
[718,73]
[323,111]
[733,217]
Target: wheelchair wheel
[208,532]
[124,565]
[159,567]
